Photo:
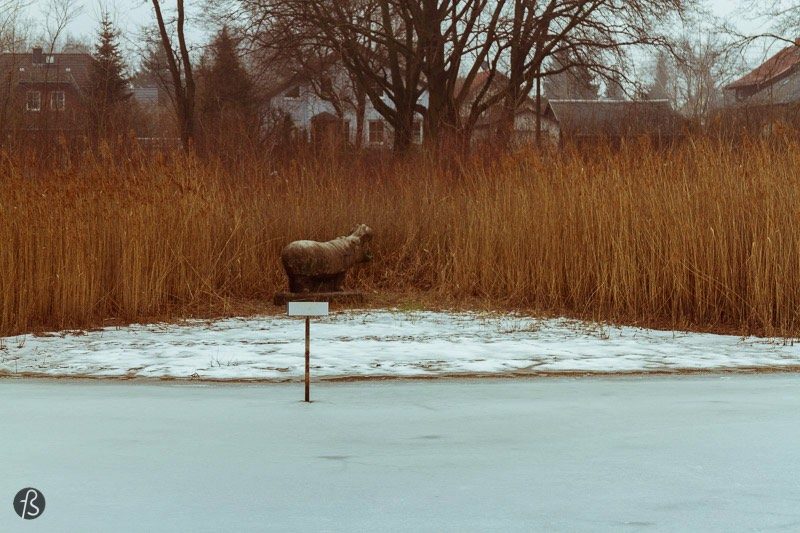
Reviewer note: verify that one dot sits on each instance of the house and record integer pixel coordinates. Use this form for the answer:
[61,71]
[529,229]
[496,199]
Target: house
[44,92]
[775,82]
[579,121]
[146,95]
[489,125]
[306,100]
[765,99]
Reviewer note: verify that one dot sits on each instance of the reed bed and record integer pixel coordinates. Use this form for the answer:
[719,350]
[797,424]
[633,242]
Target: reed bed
[704,236]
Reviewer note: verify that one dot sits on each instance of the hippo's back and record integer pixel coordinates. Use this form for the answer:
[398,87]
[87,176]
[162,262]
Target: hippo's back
[312,258]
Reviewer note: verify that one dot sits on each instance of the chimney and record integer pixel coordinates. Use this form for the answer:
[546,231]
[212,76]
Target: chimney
[38,55]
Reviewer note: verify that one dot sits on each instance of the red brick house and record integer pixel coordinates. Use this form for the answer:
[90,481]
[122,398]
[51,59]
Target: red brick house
[42,92]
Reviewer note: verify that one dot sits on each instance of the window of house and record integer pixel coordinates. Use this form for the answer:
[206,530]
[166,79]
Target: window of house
[33,101]
[346,128]
[418,131]
[294,92]
[57,101]
[376,132]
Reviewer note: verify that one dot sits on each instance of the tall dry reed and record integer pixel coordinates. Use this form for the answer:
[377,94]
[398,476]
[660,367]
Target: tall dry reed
[705,236]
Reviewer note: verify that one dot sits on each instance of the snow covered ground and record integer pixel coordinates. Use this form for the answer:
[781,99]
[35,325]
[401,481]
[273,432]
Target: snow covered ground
[382,344]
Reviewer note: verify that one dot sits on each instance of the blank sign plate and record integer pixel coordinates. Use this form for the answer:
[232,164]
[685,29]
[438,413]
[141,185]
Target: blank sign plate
[308,308]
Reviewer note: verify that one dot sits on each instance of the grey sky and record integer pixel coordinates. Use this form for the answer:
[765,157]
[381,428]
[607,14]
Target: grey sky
[131,15]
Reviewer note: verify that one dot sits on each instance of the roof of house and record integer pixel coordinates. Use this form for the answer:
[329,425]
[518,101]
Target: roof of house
[494,114]
[297,74]
[478,82]
[146,95]
[779,65]
[614,118]
[72,68]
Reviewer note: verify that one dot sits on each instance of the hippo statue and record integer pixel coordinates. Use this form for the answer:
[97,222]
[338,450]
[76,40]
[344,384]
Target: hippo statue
[321,266]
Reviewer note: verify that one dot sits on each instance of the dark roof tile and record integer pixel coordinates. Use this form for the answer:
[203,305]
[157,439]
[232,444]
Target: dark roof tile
[615,118]
[66,68]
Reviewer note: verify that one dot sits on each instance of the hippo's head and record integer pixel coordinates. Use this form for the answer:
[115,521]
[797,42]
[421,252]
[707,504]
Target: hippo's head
[363,234]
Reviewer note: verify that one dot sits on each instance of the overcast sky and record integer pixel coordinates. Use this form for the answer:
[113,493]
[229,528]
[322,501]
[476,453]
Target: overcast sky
[131,15]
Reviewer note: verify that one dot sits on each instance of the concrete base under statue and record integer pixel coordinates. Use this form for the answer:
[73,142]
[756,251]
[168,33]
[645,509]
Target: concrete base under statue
[282,298]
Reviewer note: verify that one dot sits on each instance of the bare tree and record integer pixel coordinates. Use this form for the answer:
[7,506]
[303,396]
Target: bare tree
[58,14]
[569,81]
[10,11]
[12,39]
[454,50]
[702,65]
[179,64]
[783,18]
[380,50]
[594,36]
[394,51]
[318,68]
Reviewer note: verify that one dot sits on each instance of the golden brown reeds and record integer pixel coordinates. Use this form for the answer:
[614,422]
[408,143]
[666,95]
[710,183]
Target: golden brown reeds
[704,236]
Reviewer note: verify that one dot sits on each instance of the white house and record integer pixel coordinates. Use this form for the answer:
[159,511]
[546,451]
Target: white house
[307,99]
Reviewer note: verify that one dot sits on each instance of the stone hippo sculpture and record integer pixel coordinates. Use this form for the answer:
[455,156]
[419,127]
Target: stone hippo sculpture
[321,266]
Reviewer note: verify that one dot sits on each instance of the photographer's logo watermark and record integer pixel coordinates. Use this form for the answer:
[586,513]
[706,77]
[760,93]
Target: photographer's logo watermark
[29,503]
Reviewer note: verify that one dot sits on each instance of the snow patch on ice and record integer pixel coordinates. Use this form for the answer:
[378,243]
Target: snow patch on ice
[382,343]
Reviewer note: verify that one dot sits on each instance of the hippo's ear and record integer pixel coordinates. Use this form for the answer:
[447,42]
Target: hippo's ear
[363,232]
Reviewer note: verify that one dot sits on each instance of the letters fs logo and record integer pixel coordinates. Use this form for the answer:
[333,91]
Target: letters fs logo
[29,503]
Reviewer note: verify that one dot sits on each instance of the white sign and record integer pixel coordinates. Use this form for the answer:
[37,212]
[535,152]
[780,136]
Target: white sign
[308,308]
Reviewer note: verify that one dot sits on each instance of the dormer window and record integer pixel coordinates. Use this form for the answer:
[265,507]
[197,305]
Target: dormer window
[294,92]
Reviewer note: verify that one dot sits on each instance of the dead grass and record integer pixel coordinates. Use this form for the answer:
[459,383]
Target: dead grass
[702,237]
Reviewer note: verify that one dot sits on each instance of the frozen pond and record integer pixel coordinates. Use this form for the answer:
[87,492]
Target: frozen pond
[696,453]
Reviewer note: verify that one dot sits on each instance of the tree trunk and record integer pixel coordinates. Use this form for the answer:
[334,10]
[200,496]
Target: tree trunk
[403,134]
[183,85]
[361,111]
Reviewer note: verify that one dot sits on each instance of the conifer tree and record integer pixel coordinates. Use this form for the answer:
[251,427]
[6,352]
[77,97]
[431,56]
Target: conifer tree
[109,82]
[662,86]
[228,99]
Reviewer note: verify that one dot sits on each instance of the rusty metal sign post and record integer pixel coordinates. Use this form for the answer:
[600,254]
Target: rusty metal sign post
[307,310]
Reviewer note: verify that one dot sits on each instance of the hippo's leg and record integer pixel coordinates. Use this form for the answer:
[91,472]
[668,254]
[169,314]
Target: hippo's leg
[337,282]
[332,283]
[299,283]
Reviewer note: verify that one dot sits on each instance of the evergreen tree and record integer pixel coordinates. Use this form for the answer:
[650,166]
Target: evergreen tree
[663,83]
[153,70]
[109,85]
[227,99]
[614,89]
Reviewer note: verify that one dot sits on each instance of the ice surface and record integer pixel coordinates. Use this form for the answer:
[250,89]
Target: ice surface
[382,343]
[625,454]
